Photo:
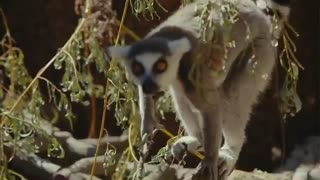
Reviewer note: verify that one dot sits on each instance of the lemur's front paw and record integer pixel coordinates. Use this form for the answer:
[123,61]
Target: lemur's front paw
[207,169]
[147,132]
[225,163]
[183,144]
[147,127]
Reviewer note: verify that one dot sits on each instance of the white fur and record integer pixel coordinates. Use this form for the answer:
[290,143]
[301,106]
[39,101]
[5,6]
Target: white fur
[262,4]
[179,46]
[185,143]
[148,60]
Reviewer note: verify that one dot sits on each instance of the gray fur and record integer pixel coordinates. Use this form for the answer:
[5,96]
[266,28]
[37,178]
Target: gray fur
[229,96]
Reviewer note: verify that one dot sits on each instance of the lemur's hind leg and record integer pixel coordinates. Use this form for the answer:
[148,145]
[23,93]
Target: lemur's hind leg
[235,121]
[241,91]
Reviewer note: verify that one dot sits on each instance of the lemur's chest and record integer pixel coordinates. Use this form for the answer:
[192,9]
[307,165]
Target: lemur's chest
[193,99]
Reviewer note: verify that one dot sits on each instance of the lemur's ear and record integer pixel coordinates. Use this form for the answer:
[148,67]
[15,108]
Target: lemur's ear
[119,52]
[180,46]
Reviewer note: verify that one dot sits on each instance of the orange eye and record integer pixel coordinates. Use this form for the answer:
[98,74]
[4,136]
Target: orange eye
[137,68]
[161,66]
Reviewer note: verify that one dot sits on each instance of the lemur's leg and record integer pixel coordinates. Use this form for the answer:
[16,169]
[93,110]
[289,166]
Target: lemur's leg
[212,136]
[241,91]
[147,113]
[190,118]
[235,121]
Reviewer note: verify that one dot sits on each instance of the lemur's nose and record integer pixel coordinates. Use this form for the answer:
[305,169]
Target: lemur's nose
[149,86]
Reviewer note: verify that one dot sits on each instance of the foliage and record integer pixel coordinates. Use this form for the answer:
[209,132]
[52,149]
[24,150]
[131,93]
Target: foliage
[20,114]
[290,102]
[145,6]
[22,102]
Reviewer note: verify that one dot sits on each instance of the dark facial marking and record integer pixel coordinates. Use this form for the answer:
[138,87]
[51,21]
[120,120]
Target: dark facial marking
[137,68]
[160,66]
[155,45]
[149,86]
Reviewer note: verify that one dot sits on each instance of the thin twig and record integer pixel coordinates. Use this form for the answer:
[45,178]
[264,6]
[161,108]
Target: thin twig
[73,63]
[105,107]
[130,143]
[41,71]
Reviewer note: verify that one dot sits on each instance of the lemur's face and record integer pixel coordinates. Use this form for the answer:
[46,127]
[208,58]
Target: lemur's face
[152,63]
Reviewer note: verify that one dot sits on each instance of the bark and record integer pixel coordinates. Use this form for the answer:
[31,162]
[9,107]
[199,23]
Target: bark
[35,167]
[176,172]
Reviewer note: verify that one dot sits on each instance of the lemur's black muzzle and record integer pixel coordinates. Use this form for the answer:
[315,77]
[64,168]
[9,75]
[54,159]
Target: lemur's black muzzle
[149,86]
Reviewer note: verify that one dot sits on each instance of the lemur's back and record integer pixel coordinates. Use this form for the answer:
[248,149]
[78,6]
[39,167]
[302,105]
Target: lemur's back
[243,32]
[188,17]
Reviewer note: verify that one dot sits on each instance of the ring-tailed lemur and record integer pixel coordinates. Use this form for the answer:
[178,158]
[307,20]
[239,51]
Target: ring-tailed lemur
[163,60]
